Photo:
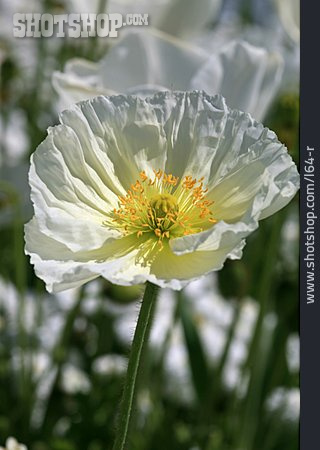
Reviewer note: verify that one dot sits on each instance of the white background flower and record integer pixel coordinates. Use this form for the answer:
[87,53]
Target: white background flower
[286,402]
[272,39]
[74,380]
[13,444]
[247,76]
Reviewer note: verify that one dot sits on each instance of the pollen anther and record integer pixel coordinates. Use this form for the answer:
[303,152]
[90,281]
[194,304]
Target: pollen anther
[163,207]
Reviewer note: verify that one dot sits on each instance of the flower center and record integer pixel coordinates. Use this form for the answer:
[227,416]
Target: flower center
[163,204]
[160,207]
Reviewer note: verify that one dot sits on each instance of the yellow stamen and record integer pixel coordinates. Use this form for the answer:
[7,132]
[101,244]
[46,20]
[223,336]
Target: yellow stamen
[163,208]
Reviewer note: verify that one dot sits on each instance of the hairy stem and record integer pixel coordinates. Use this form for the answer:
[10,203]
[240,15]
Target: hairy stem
[138,346]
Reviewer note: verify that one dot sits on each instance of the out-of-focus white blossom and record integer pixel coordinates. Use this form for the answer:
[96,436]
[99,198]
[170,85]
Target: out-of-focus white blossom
[290,241]
[293,352]
[239,347]
[144,404]
[247,76]
[23,52]
[271,39]
[13,444]
[74,380]
[285,402]
[39,362]
[10,302]
[177,17]
[289,14]
[110,365]
[15,139]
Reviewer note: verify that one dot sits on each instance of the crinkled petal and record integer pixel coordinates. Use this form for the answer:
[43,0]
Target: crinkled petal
[207,139]
[83,165]
[193,125]
[127,131]
[70,200]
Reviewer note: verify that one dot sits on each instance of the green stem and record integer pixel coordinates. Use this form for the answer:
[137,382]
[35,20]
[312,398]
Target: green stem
[138,346]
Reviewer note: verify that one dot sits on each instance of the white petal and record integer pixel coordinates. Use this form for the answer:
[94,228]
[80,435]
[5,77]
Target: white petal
[289,13]
[247,76]
[207,139]
[79,81]
[194,124]
[142,51]
[234,194]
[176,271]
[74,88]
[128,132]
[266,168]
[184,17]
[73,172]
[222,235]
[62,269]
[154,59]
[180,17]
[70,200]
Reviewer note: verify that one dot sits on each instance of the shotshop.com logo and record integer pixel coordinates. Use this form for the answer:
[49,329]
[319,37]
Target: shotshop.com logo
[74,25]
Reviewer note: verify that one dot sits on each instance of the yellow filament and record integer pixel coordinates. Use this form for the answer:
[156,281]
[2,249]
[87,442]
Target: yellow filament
[162,207]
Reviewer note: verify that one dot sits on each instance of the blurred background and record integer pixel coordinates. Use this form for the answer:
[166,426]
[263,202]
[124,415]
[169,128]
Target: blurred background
[222,369]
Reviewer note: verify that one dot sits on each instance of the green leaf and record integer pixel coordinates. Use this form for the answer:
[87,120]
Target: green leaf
[196,354]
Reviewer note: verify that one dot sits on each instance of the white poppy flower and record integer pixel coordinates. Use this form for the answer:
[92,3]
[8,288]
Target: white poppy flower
[161,189]
[247,76]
